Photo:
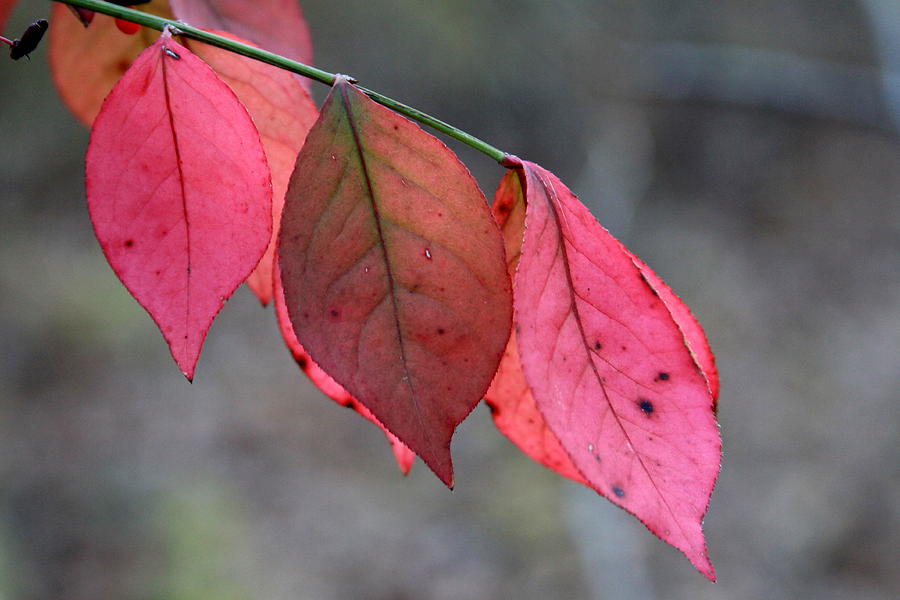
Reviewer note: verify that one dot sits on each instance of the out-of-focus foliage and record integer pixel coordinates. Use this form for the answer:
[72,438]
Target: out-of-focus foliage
[745,150]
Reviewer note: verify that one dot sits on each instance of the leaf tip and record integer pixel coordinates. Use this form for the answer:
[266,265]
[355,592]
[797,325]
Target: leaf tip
[707,570]
[263,298]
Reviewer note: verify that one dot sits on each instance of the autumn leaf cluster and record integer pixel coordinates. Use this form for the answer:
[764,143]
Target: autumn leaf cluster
[398,289]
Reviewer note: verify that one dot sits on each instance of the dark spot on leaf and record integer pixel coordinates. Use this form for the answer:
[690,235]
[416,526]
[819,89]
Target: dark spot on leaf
[129,243]
[619,492]
[624,348]
[396,127]
[598,346]
[305,315]
[646,406]
[597,458]
[441,331]
[157,273]
[663,376]
[335,313]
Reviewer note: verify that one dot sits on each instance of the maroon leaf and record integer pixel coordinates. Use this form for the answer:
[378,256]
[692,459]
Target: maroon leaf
[178,191]
[608,366]
[393,271]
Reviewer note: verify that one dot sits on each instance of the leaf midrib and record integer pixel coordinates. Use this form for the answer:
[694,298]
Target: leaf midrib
[392,284]
[552,201]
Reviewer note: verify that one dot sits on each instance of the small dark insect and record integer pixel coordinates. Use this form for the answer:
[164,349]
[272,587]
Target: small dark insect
[29,40]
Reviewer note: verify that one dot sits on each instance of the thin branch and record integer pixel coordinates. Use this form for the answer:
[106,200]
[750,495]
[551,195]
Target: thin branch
[185,30]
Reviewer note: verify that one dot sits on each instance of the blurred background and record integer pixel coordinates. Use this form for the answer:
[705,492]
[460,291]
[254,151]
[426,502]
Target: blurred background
[748,151]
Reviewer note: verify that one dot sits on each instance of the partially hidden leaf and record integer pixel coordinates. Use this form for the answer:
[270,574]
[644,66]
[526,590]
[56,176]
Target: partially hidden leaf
[86,62]
[6,7]
[510,399]
[617,369]
[393,271]
[328,386]
[84,15]
[283,113]
[178,191]
[276,25]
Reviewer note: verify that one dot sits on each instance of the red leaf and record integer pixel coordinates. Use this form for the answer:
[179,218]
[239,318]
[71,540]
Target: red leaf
[87,62]
[609,368]
[403,455]
[393,271]
[127,27]
[6,7]
[283,113]
[179,192]
[276,25]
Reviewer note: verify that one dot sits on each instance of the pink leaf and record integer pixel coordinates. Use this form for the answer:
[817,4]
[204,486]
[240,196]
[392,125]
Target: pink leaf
[609,368]
[328,386]
[178,191]
[283,113]
[393,271]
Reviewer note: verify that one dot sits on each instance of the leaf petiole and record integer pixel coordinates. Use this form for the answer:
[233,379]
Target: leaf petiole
[159,23]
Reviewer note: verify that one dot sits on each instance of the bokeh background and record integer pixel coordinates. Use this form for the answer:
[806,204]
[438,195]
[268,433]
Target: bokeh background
[748,151]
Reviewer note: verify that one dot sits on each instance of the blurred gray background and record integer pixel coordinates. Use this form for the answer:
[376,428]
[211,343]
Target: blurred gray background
[748,151]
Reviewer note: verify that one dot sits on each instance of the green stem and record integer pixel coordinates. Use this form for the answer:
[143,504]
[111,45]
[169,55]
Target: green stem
[159,23]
